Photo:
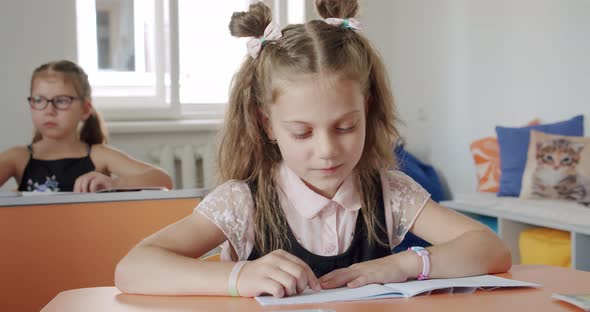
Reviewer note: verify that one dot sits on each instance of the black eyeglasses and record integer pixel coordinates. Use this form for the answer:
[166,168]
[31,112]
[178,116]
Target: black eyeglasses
[60,102]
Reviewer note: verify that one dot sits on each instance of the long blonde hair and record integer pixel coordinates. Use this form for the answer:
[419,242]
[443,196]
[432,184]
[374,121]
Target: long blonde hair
[93,130]
[245,152]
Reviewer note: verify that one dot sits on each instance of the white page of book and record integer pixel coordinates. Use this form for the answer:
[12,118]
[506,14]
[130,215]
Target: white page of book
[397,290]
[327,295]
[7,193]
[412,288]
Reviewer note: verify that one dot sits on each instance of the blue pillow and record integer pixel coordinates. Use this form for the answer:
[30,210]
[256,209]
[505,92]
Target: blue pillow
[514,145]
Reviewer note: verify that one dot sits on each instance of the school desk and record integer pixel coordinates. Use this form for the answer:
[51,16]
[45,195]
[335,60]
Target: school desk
[553,279]
[51,243]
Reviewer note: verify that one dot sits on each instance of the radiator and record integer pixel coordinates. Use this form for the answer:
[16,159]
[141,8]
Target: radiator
[186,164]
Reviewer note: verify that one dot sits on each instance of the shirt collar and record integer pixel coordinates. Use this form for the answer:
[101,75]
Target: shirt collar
[309,203]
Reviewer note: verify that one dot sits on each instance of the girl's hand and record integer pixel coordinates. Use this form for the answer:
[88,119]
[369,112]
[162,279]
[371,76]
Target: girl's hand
[92,182]
[378,271]
[278,273]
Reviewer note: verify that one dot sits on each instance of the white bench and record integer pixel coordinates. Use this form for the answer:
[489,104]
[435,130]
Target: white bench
[515,215]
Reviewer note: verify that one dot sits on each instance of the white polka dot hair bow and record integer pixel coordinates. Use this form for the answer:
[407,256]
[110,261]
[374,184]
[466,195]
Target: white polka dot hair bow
[271,32]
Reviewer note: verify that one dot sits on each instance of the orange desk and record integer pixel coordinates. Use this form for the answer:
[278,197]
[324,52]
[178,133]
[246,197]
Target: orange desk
[553,279]
[46,249]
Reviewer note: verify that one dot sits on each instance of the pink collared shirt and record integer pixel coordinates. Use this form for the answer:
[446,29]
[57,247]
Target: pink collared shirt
[322,225]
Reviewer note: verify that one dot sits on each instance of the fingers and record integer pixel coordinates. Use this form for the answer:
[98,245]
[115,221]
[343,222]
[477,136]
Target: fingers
[272,287]
[81,184]
[289,283]
[94,185]
[86,181]
[333,279]
[298,272]
[99,182]
[358,282]
[337,278]
[77,185]
[360,274]
[277,273]
[91,182]
[306,277]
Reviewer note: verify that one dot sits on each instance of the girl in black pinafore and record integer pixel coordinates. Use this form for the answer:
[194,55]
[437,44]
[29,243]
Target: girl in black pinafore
[69,151]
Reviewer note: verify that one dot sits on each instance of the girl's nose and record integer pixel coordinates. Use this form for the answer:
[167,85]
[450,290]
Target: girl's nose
[327,146]
[50,109]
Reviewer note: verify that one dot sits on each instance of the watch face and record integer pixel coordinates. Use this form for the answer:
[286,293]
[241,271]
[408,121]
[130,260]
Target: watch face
[418,249]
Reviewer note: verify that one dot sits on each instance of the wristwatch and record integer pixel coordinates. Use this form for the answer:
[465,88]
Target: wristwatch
[423,253]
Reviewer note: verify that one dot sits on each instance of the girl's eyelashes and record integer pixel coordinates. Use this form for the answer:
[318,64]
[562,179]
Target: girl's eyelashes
[298,136]
[304,135]
[346,129]
[299,132]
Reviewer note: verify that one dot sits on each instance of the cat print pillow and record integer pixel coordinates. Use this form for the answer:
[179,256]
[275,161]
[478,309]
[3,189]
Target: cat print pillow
[557,167]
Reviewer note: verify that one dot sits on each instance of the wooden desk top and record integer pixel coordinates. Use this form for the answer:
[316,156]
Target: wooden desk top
[553,279]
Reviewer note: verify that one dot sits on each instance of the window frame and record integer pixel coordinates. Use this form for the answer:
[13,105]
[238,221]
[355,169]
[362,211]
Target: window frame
[119,100]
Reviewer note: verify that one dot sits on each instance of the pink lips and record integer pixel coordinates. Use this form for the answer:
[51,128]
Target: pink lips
[330,170]
[49,124]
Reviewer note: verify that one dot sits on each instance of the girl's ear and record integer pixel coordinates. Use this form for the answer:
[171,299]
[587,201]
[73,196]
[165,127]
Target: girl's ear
[265,121]
[87,109]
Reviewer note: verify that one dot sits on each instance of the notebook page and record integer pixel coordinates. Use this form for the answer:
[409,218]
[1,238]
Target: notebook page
[413,288]
[327,295]
[7,193]
[34,193]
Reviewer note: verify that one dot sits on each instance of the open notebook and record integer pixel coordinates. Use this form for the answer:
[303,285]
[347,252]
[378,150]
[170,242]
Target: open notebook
[111,190]
[398,290]
[7,193]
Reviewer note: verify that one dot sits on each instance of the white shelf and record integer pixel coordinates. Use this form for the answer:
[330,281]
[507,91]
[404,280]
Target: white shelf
[515,215]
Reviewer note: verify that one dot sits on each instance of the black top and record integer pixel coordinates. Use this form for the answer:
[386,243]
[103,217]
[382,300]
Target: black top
[54,175]
[360,250]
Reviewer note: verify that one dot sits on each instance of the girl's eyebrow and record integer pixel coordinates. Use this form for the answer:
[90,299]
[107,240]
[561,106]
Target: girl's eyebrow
[344,116]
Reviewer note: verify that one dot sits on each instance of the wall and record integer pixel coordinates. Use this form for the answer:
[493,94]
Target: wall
[460,67]
[508,62]
[31,32]
[457,68]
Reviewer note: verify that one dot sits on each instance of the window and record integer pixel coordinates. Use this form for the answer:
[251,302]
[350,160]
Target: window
[164,59]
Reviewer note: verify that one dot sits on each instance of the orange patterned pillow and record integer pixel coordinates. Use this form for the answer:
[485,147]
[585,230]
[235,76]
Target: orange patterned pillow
[486,154]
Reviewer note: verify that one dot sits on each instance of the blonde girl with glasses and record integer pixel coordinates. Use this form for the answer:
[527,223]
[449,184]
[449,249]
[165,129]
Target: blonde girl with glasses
[309,195]
[68,152]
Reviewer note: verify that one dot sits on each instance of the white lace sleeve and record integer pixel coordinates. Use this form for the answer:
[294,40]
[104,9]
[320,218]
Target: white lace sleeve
[404,199]
[231,208]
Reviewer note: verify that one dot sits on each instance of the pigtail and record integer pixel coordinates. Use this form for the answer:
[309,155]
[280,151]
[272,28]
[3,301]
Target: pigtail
[36,136]
[245,152]
[381,135]
[93,130]
[243,129]
[337,8]
[251,23]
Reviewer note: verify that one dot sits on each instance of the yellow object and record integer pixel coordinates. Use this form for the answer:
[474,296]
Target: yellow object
[212,257]
[545,246]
